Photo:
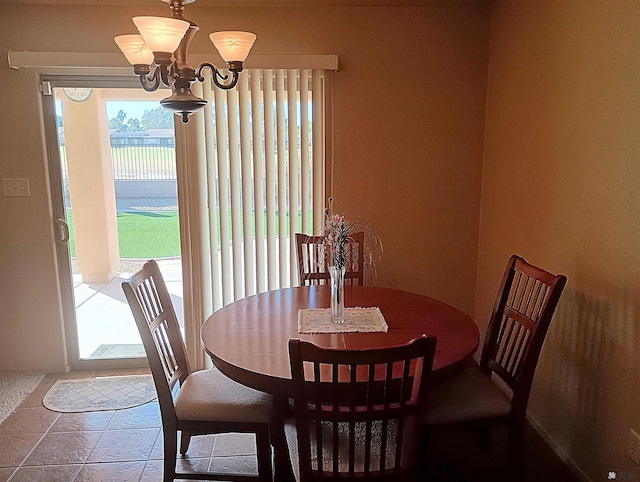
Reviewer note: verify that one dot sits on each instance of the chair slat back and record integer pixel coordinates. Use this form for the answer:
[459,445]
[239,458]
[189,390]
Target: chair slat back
[155,317]
[518,325]
[313,261]
[358,412]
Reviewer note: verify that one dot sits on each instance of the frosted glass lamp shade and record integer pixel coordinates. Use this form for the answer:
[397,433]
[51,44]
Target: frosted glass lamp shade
[233,46]
[134,49]
[161,34]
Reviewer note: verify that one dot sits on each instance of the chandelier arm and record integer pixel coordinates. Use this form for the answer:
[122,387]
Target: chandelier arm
[201,68]
[215,74]
[166,74]
[150,82]
[230,85]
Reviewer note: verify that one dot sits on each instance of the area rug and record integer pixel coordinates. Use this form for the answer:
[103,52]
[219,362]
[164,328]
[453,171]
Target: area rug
[14,388]
[101,393]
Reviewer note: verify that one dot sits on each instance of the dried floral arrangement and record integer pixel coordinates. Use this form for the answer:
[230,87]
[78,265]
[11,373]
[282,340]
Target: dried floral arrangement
[337,232]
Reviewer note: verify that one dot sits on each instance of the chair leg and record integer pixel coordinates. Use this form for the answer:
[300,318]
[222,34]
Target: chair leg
[485,438]
[516,450]
[170,447]
[185,440]
[264,455]
[423,454]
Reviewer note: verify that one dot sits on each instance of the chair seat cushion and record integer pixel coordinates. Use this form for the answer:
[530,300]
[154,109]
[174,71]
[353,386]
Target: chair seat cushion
[210,395]
[466,397]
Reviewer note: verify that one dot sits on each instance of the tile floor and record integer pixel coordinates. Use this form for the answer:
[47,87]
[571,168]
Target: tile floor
[37,444]
[460,457]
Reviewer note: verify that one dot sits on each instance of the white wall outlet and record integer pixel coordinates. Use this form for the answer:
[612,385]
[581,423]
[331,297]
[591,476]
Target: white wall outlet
[633,446]
[18,186]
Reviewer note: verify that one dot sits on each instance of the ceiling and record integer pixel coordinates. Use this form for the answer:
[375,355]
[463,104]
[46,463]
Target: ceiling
[257,3]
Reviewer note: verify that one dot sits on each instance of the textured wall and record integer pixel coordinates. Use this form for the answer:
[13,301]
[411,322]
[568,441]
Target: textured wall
[561,187]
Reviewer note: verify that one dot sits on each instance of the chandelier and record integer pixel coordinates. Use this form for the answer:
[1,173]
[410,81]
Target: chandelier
[159,55]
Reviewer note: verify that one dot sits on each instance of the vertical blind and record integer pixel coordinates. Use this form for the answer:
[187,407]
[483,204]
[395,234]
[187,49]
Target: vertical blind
[265,177]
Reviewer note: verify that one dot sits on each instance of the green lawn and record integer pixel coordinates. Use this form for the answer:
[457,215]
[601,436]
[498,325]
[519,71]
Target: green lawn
[143,235]
[154,234]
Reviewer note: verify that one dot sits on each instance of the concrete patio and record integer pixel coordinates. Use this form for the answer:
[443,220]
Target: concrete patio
[106,328]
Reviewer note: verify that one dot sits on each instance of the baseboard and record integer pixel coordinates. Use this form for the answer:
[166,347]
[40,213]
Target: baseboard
[562,455]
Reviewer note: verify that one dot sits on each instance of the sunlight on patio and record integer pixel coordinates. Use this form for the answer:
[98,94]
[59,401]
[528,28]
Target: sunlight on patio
[106,328]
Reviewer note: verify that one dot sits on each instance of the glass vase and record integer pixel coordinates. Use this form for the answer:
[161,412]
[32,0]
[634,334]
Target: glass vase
[337,293]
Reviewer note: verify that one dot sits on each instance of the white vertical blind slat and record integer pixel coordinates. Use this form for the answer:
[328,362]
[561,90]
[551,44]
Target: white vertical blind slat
[318,146]
[270,178]
[258,186]
[246,157]
[305,172]
[190,169]
[236,192]
[223,198]
[212,197]
[294,168]
[281,132]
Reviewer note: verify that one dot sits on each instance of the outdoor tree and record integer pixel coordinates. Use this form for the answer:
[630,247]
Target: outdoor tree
[158,118]
[118,122]
[134,125]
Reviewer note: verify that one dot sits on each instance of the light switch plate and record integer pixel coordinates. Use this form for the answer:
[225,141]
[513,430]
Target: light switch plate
[17,186]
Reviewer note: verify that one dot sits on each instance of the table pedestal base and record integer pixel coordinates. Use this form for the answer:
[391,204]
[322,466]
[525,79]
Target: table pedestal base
[281,412]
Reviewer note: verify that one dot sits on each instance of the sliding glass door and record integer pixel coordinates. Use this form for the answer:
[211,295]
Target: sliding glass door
[114,194]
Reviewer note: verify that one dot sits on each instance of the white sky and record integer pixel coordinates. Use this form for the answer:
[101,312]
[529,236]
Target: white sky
[133,109]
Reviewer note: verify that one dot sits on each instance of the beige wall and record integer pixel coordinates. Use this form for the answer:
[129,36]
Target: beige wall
[561,187]
[407,141]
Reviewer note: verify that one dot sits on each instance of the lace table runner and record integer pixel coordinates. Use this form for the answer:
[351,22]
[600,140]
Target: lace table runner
[356,320]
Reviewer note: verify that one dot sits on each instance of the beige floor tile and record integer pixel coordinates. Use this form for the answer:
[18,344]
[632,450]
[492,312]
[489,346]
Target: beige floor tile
[28,420]
[152,471]
[115,471]
[158,448]
[201,446]
[187,464]
[124,445]
[63,448]
[16,447]
[6,472]
[35,398]
[234,444]
[143,416]
[47,473]
[82,422]
[244,464]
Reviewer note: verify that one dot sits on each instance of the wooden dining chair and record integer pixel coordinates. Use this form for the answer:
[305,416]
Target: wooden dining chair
[312,261]
[357,412]
[194,403]
[526,302]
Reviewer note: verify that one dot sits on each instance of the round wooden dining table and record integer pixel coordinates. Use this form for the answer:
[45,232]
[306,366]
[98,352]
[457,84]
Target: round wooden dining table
[248,339]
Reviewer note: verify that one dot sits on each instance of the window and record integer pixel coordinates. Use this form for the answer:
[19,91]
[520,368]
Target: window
[265,177]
